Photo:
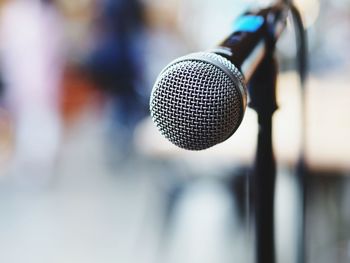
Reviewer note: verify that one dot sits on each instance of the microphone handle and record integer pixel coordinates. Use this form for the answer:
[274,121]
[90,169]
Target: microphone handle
[253,34]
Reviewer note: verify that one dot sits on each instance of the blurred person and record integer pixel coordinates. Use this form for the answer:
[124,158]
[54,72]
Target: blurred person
[31,58]
[116,65]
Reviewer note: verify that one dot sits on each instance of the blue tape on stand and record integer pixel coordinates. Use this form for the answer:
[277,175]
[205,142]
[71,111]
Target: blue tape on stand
[248,23]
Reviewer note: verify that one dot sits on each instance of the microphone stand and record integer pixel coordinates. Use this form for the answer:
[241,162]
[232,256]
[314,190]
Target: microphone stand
[262,91]
[263,101]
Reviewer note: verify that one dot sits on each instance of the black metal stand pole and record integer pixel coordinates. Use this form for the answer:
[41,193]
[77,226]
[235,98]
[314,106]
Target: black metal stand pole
[263,100]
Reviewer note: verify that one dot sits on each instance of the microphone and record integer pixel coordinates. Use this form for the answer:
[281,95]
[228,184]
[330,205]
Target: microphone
[199,100]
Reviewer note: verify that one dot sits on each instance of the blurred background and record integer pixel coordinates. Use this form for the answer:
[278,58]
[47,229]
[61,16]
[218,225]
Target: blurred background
[84,174]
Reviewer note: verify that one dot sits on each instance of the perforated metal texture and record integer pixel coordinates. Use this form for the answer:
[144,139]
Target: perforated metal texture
[196,103]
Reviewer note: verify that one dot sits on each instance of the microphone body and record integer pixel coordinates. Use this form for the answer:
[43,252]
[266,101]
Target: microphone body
[199,100]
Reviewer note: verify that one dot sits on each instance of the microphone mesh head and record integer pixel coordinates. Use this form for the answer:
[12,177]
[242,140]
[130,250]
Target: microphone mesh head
[198,100]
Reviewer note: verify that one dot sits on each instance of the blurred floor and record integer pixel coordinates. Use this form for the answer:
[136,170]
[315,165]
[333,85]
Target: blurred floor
[86,211]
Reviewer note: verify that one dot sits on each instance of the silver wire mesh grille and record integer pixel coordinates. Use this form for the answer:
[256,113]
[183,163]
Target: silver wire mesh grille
[195,103]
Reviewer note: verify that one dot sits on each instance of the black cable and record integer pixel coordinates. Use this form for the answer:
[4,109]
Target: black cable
[302,68]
